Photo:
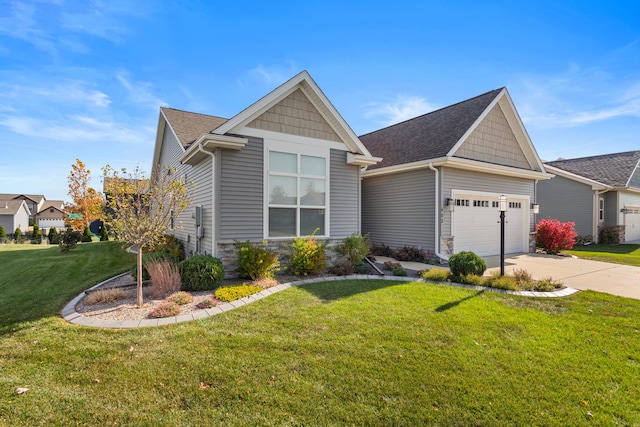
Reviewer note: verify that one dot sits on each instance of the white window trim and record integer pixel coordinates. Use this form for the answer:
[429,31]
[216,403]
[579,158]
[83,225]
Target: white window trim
[299,149]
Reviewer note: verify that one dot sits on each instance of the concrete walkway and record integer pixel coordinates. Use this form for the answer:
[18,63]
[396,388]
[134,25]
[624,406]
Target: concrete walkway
[616,279]
[70,315]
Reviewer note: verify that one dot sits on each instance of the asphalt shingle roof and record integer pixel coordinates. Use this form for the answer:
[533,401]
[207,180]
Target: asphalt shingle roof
[189,126]
[429,136]
[610,169]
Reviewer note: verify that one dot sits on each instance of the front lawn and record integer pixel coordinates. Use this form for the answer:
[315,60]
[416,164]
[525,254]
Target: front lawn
[618,254]
[335,353]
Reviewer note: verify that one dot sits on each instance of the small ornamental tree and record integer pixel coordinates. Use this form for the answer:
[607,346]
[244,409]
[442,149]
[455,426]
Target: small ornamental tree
[140,210]
[87,202]
[554,236]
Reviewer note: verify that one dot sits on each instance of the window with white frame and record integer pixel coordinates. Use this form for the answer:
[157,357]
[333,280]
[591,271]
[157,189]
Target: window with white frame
[601,210]
[297,198]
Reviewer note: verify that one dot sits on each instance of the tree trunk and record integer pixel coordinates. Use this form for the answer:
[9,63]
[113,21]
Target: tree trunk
[139,252]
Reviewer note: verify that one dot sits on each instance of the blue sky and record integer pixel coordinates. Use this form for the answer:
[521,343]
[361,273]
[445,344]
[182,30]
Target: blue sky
[85,79]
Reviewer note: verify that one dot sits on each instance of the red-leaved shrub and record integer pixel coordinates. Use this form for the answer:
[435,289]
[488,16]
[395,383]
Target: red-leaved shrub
[554,236]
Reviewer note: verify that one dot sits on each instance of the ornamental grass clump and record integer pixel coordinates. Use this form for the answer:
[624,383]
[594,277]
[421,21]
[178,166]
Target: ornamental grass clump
[232,293]
[105,296]
[180,298]
[435,274]
[546,284]
[165,309]
[165,277]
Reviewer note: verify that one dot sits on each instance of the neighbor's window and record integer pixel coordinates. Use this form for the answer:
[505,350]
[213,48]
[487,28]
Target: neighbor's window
[297,194]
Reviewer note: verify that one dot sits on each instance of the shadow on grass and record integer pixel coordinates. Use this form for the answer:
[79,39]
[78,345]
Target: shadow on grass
[452,304]
[333,290]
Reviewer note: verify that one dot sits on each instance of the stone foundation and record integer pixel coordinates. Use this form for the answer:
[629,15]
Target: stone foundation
[226,251]
[611,234]
[532,242]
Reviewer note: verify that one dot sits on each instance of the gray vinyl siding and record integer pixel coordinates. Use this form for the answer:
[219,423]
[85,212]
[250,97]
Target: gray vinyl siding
[398,209]
[241,192]
[344,193]
[459,179]
[567,200]
[200,177]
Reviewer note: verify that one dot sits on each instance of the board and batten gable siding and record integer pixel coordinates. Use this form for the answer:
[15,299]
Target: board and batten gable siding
[567,200]
[200,177]
[464,180]
[398,209]
[344,193]
[241,192]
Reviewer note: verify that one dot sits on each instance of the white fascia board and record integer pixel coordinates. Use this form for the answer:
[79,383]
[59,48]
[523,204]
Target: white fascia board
[595,185]
[295,139]
[360,160]
[305,83]
[459,163]
[628,184]
[209,142]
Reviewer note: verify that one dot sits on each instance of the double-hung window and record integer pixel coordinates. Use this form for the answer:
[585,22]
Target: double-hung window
[297,198]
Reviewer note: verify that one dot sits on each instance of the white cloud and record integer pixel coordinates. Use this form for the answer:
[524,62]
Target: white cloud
[75,92]
[273,75]
[402,108]
[139,92]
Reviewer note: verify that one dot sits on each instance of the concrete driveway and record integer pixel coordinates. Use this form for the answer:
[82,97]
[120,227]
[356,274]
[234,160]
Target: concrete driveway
[616,279]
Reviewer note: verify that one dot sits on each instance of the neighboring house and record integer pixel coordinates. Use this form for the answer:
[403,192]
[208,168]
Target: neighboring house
[596,193]
[51,215]
[34,202]
[286,166]
[14,214]
[438,184]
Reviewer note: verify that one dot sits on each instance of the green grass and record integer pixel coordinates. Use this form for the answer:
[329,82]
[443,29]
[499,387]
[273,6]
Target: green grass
[618,254]
[335,353]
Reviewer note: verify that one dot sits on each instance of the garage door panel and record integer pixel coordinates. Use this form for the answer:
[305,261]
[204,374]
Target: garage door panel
[477,228]
[632,222]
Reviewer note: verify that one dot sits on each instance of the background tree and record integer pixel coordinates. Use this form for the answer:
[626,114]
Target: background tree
[140,209]
[3,234]
[87,203]
[37,234]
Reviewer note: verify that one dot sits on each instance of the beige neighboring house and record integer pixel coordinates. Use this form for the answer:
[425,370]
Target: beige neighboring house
[14,214]
[34,202]
[51,215]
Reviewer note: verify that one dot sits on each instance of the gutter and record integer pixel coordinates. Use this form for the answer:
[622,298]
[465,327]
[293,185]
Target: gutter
[213,199]
[437,216]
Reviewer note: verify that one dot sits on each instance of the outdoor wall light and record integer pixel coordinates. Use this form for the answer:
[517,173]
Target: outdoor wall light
[536,208]
[450,203]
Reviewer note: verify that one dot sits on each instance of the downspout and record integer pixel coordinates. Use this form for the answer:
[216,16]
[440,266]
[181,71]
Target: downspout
[596,211]
[214,249]
[437,216]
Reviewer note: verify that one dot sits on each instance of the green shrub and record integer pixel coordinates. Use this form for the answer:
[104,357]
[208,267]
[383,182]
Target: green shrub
[146,258]
[201,273]
[54,237]
[2,232]
[104,236]
[17,235]
[435,274]
[464,263]
[169,244]
[399,271]
[256,262]
[37,234]
[86,235]
[341,268]
[232,293]
[165,309]
[362,268]
[68,240]
[308,256]
[180,298]
[355,248]
[208,302]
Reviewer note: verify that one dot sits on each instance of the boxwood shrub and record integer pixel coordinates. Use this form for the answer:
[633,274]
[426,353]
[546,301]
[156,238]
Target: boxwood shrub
[464,263]
[201,273]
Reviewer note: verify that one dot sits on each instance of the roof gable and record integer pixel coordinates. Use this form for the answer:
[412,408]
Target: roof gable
[429,136]
[613,170]
[493,141]
[295,115]
[332,123]
[12,207]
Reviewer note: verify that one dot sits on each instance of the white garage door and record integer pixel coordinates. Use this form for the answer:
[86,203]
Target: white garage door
[476,225]
[632,222]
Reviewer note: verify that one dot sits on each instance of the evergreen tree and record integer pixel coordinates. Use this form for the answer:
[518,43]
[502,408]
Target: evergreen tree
[17,235]
[53,236]
[104,237]
[37,234]
[86,235]
[3,234]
